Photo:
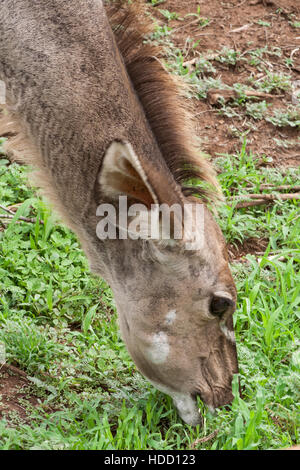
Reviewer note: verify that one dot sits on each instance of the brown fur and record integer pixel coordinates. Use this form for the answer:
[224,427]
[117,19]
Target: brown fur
[160,93]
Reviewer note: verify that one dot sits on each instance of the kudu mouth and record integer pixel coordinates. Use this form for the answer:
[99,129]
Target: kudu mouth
[213,375]
[216,371]
[185,359]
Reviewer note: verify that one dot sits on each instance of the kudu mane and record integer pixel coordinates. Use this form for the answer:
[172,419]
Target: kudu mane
[161,96]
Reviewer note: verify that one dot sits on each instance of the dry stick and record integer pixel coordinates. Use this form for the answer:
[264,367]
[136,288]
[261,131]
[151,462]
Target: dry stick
[25,219]
[267,197]
[277,188]
[204,439]
[190,62]
[6,209]
[258,202]
[185,25]
[203,34]
[263,199]
[233,93]
[281,188]
[241,28]
[293,52]
[261,94]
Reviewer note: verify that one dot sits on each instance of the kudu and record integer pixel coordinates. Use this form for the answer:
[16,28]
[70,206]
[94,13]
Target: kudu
[92,108]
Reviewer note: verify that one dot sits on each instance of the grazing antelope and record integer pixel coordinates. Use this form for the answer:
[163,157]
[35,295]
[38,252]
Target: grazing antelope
[92,108]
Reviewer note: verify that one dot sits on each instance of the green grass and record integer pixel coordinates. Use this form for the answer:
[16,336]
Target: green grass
[58,323]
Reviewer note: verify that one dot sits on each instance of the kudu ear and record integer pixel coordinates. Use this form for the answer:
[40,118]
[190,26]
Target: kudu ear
[122,174]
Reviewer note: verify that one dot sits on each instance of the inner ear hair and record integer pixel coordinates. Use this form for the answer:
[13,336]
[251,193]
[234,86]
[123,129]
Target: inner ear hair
[122,174]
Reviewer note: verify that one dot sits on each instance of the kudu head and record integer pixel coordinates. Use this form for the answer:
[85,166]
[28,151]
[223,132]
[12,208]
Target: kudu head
[175,304]
[117,129]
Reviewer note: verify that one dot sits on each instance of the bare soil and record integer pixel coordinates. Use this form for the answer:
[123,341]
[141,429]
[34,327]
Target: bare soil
[236,24]
[16,396]
[255,246]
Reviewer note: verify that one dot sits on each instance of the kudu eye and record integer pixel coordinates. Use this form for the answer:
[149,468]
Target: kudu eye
[220,304]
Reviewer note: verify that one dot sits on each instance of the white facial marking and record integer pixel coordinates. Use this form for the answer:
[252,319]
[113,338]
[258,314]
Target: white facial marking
[159,349]
[185,404]
[170,317]
[229,334]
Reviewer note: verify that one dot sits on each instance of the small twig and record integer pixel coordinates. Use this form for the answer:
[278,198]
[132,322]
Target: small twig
[204,439]
[241,28]
[261,94]
[266,37]
[268,197]
[258,202]
[270,258]
[31,220]
[185,25]
[293,52]
[283,187]
[214,94]
[204,34]
[261,199]
[190,62]
[273,253]
[6,209]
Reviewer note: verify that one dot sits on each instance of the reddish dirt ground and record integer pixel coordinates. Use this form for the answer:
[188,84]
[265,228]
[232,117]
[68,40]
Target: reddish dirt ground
[14,392]
[234,24]
[251,245]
